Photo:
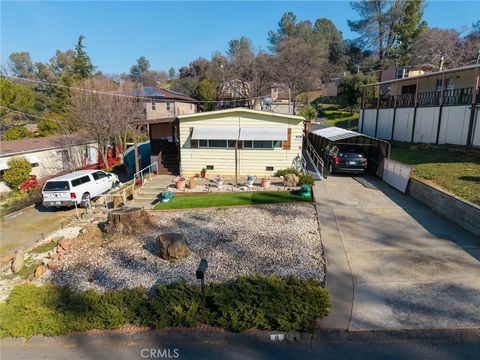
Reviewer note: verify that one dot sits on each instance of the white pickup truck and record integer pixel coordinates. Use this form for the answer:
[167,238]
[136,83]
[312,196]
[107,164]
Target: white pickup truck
[77,188]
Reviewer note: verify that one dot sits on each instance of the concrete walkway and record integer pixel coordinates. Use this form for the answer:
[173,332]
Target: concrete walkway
[394,263]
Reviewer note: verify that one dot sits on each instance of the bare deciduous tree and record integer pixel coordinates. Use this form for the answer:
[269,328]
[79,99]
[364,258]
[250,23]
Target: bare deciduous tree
[299,66]
[103,116]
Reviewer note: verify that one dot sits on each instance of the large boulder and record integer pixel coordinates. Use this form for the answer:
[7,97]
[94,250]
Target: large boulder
[290,180]
[18,262]
[172,246]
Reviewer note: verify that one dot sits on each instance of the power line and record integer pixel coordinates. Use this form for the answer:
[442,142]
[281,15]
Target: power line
[99,92]
[23,113]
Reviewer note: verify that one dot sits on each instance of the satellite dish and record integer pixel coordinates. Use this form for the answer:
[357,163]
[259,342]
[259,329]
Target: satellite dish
[267,100]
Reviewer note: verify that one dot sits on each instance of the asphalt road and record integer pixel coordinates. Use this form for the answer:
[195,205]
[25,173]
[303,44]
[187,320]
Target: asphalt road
[436,345]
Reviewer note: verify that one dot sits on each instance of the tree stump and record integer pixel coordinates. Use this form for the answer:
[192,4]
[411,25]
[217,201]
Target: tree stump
[128,221]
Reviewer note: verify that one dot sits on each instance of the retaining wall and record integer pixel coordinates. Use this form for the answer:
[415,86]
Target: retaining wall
[462,212]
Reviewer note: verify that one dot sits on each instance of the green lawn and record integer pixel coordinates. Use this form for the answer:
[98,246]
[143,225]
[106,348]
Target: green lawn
[238,198]
[457,170]
[335,116]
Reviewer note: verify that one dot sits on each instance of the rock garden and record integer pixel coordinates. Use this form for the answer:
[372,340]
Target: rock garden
[139,249]
[265,270]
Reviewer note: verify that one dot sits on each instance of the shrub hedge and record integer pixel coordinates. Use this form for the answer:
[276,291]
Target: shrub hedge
[269,303]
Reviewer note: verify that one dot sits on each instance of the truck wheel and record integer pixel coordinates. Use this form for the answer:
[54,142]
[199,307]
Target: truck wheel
[85,200]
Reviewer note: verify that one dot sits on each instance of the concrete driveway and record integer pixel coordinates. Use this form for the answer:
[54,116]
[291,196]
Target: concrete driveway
[394,263]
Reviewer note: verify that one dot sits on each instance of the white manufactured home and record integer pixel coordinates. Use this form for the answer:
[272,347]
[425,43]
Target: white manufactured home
[437,108]
[255,142]
[226,142]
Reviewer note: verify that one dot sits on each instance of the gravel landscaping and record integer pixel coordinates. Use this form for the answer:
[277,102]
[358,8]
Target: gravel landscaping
[274,238]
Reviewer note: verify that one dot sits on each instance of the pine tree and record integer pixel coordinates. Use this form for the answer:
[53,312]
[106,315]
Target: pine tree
[409,28]
[82,67]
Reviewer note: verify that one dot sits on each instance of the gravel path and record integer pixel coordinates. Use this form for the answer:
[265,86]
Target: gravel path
[277,238]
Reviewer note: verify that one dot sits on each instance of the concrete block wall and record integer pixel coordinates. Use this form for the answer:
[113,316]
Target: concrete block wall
[462,212]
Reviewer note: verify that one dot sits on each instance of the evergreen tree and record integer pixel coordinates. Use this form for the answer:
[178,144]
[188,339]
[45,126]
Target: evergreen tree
[142,66]
[82,67]
[409,28]
[206,91]
[171,73]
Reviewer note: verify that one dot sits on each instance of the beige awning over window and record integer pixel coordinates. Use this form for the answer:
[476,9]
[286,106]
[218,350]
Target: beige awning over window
[263,133]
[215,133]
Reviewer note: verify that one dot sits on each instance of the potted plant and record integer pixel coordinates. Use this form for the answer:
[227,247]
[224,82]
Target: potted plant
[180,182]
[203,173]
[266,182]
[192,182]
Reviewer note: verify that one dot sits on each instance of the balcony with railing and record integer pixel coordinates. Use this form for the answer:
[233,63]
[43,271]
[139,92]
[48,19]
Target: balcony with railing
[458,97]
[454,97]
[405,100]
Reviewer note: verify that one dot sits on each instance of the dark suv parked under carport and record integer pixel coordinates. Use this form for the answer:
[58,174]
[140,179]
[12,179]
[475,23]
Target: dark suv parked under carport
[346,159]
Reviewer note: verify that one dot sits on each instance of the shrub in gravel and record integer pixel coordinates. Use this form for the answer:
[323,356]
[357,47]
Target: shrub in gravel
[283,172]
[306,180]
[269,303]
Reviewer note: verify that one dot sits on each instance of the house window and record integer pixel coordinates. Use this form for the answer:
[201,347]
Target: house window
[269,168]
[35,164]
[191,106]
[154,107]
[262,144]
[449,82]
[409,89]
[218,144]
[167,105]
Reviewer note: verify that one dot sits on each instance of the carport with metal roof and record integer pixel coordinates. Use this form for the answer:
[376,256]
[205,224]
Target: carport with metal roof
[374,149]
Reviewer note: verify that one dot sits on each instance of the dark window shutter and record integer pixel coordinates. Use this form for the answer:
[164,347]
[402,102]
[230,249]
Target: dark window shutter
[287,144]
[193,143]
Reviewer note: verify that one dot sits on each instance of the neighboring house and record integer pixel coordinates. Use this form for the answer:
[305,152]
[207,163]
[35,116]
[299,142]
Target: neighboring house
[236,93]
[161,103]
[439,107]
[50,155]
[252,142]
[330,87]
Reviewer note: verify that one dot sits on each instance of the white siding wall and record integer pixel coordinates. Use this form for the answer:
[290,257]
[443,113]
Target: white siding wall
[250,162]
[426,125]
[454,125]
[369,121]
[403,124]
[476,129]
[385,122]
[50,162]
